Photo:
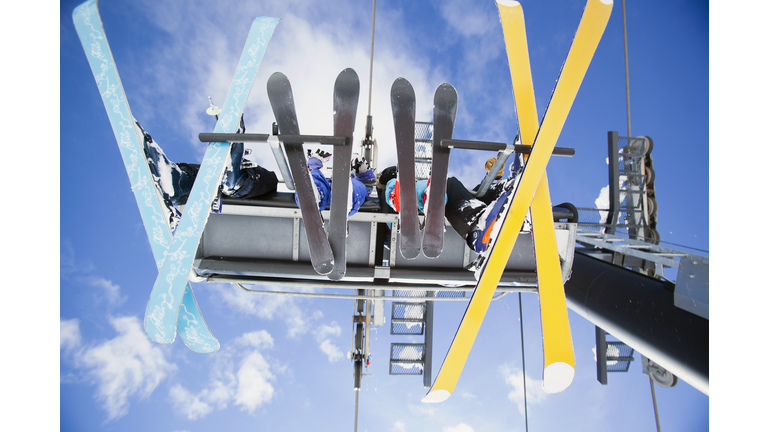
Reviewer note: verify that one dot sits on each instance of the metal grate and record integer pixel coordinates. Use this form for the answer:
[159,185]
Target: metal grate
[410,293]
[423,131]
[423,150]
[408,318]
[407,328]
[451,294]
[406,368]
[618,356]
[409,311]
[406,359]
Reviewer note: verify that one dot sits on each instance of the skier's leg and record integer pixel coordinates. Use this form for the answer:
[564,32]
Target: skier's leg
[461,208]
[234,174]
[479,233]
[256,181]
[173,182]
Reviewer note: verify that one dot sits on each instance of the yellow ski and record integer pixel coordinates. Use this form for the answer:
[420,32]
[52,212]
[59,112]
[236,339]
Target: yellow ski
[559,361]
[591,27]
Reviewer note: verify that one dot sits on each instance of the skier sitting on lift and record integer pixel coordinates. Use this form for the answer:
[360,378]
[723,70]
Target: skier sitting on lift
[357,190]
[471,217]
[176,180]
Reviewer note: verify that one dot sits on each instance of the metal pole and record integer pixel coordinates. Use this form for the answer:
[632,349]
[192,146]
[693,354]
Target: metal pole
[357,393]
[501,292]
[370,75]
[655,410]
[641,312]
[522,344]
[626,64]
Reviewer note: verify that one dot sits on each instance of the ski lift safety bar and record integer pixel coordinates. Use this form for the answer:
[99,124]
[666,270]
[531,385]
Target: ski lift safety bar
[515,148]
[288,139]
[340,140]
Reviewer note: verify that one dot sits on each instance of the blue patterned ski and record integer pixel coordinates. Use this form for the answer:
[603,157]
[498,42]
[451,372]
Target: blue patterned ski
[90,29]
[163,306]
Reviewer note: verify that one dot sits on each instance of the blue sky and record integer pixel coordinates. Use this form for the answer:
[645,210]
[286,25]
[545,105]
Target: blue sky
[282,364]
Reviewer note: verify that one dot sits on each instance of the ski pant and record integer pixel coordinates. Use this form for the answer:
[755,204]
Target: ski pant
[176,180]
[462,208]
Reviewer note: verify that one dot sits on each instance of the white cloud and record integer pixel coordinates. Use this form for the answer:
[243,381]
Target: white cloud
[198,59]
[326,330]
[461,427]
[188,404]
[125,366]
[250,386]
[196,406]
[399,427]
[331,350]
[423,410]
[260,339]
[267,307]
[463,16]
[110,291]
[80,272]
[322,335]
[254,389]
[270,307]
[603,201]
[535,390]
[70,334]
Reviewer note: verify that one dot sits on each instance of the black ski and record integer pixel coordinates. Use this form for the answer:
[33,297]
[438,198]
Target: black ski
[444,116]
[346,93]
[281,99]
[404,113]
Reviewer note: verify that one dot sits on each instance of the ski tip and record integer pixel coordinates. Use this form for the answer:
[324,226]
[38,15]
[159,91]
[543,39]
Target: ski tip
[446,87]
[204,349]
[323,268]
[336,275]
[277,78]
[268,20]
[401,85]
[400,81]
[436,396]
[508,3]
[160,338]
[446,95]
[558,376]
[348,71]
[431,252]
[410,253]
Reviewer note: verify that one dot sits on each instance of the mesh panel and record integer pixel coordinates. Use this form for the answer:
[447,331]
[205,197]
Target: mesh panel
[423,150]
[405,368]
[619,349]
[423,170]
[406,359]
[423,131]
[451,294]
[410,293]
[409,328]
[411,311]
[407,352]
[615,351]
[617,366]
